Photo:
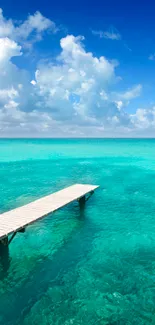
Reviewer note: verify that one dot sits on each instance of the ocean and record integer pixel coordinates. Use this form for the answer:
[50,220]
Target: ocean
[90,266]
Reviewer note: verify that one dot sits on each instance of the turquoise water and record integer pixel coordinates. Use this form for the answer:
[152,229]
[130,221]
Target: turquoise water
[82,267]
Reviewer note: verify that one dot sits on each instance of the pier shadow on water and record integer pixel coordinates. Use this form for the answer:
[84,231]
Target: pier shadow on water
[50,271]
[81,207]
[4,261]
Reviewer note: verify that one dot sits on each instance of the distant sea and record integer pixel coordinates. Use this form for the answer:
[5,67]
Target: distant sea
[94,266]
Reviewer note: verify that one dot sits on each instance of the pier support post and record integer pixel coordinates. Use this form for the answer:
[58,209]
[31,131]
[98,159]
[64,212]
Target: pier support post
[82,201]
[6,241]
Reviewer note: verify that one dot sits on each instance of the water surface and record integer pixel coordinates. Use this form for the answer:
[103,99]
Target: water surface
[90,266]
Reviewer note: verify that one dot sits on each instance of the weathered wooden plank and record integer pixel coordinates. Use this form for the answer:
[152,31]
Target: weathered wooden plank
[21,217]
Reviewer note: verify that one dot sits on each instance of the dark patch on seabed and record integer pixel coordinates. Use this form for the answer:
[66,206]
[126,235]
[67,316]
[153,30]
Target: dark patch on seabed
[50,271]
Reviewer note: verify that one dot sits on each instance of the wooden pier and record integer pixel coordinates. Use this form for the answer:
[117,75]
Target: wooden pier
[17,219]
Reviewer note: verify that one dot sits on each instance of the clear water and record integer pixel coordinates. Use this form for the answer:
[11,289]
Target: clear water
[94,266]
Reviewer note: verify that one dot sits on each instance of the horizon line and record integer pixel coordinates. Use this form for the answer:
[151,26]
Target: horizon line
[75,138]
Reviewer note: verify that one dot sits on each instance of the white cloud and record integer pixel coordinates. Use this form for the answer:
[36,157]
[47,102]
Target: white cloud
[35,23]
[144,118]
[6,26]
[33,82]
[72,94]
[75,86]
[132,93]
[111,34]
[152,57]
[99,33]
[13,121]
[119,104]
[31,29]
[8,93]
[8,49]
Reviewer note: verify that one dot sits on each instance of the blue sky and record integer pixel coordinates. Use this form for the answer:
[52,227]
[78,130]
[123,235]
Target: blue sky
[77,69]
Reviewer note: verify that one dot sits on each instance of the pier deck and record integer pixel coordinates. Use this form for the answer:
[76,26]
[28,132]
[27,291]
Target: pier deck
[17,219]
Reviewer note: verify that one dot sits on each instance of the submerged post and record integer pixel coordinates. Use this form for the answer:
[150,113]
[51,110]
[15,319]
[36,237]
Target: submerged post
[82,201]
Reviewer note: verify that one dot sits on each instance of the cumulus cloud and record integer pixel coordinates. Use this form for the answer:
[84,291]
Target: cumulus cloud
[119,104]
[15,122]
[144,118]
[6,26]
[69,95]
[8,49]
[30,29]
[15,90]
[17,98]
[8,93]
[34,27]
[76,86]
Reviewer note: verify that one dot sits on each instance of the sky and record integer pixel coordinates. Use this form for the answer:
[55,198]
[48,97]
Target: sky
[77,69]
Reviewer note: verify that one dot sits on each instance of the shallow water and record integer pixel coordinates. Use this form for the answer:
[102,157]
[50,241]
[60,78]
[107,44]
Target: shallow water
[90,266]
